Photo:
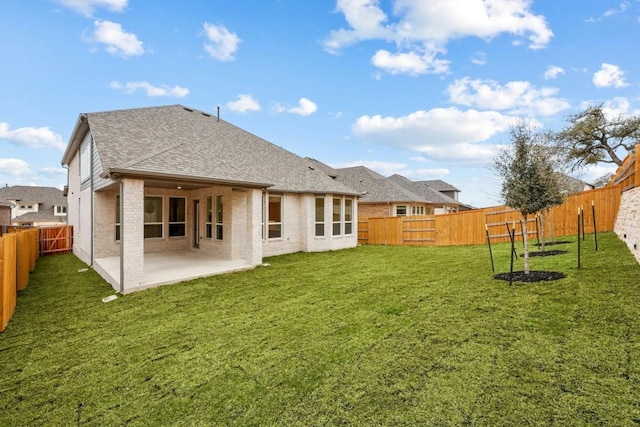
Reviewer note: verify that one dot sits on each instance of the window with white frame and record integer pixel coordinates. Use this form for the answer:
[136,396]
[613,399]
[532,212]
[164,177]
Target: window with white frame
[85,160]
[60,210]
[219,217]
[348,216]
[337,216]
[275,216]
[117,217]
[319,216]
[177,217]
[208,222]
[417,210]
[401,210]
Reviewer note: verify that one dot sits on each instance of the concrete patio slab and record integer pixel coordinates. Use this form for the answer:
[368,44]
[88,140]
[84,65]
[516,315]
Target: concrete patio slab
[163,268]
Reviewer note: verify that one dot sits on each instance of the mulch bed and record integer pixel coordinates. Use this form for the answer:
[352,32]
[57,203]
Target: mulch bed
[533,276]
[552,243]
[545,253]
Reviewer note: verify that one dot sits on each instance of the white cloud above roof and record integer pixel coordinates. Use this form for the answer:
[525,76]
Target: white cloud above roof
[409,62]
[517,97]
[150,90]
[440,133]
[32,137]
[609,75]
[426,27]
[221,43]
[305,107]
[14,167]
[243,103]
[115,40]
[87,7]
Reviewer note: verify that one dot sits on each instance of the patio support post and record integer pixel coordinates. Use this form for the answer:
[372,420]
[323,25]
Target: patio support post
[131,234]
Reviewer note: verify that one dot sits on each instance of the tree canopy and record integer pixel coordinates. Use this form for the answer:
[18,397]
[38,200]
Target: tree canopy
[592,137]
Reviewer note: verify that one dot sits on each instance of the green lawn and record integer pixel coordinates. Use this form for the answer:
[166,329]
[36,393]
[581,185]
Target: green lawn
[368,336]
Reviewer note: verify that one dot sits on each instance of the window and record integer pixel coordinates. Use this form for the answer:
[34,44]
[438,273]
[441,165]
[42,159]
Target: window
[219,211]
[401,210]
[275,217]
[348,216]
[152,217]
[417,210]
[117,217]
[209,218]
[337,216]
[60,210]
[85,160]
[177,217]
[319,216]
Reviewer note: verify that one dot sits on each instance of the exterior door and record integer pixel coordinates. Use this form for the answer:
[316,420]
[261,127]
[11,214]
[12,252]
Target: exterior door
[196,224]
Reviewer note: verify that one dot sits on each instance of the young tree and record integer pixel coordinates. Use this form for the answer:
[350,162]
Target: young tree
[527,180]
[592,137]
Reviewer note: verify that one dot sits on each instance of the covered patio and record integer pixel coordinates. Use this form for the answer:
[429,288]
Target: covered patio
[162,268]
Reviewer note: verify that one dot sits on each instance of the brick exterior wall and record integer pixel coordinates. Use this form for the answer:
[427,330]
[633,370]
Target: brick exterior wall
[5,215]
[132,233]
[627,225]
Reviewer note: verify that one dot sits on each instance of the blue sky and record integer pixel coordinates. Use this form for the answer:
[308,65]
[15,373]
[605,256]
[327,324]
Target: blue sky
[427,89]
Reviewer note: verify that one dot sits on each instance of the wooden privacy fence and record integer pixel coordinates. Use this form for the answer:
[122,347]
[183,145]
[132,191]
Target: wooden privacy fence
[56,240]
[628,174]
[468,228]
[18,255]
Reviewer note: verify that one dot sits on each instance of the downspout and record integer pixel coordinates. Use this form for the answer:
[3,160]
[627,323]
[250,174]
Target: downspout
[121,207]
[91,204]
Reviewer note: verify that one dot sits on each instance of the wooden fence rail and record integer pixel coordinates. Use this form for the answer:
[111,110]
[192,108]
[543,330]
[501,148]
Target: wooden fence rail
[470,227]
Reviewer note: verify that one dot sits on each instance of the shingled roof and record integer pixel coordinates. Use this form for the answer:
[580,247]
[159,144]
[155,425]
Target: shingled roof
[425,190]
[374,187]
[177,141]
[28,194]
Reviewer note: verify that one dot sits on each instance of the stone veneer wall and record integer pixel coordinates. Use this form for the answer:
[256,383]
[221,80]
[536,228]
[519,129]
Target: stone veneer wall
[627,225]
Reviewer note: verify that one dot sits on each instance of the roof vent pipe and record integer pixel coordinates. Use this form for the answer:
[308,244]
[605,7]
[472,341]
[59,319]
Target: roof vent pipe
[218,112]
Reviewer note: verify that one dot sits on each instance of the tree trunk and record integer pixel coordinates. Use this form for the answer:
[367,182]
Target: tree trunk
[525,240]
[542,235]
[551,238]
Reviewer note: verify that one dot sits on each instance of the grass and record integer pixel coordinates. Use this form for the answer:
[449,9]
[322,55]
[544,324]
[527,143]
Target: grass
[368,336]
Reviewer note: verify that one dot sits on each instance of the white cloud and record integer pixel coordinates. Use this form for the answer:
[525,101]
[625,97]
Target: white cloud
[152,91]
[553,71]
[440,133]
[222,44]
[479,58]
[424,174]
[609,76]
[426,27]
[619,106]
[518,97]
[116,40]
[32,137]
[623,6]
[53,172]
[86,7]
[305,107]
[14,167]
[243,103]
[409,63]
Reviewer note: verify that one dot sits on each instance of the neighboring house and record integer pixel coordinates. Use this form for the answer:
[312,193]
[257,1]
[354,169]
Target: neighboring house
[394,196]
[442,195]
[35,206]
[171,180]
[570,185]
[5,213]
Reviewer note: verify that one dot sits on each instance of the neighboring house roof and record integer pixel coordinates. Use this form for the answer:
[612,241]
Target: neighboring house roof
[425,190]
[177,142]
[50,196]
[6,204]
[45,197]
[374,187]
[439,185]
[571,185]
